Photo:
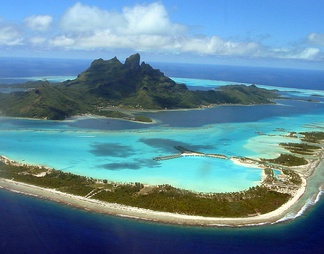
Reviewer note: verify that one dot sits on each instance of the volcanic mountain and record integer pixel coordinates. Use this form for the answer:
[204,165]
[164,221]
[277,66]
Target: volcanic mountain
[110,84]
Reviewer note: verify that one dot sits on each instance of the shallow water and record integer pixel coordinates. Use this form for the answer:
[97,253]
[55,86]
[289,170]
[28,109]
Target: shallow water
[123,151]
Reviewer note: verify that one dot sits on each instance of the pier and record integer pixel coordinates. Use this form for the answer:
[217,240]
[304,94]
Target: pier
[188,153]
[167,157]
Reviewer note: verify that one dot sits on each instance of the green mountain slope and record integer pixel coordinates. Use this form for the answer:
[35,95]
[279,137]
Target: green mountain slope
[130,85]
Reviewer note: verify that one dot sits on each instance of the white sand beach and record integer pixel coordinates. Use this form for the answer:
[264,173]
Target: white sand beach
[156,216]
[145,214]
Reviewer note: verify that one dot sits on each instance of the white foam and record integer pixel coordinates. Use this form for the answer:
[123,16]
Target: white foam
[309,203]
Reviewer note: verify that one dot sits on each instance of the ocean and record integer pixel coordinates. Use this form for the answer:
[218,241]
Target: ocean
[31,225]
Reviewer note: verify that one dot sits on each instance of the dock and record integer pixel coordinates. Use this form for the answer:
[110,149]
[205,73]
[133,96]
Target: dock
[189,153]
[167,157]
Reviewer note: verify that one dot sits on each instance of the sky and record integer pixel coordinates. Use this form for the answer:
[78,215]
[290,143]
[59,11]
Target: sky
[237,32]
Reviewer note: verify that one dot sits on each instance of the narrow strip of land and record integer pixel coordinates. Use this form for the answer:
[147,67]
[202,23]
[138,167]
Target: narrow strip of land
[102,197]
[145,214]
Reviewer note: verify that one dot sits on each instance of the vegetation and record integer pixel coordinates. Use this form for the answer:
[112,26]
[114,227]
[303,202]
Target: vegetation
[293,177]
[300,148]
[169,199]
[313,137]
[54,179]
[143,119]
[122,115]
[253,201]
[270,178]
[289,177]
[131,85]
[288,160]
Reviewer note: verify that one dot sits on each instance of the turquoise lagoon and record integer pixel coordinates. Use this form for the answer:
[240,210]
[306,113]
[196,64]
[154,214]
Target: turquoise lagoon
[123,151]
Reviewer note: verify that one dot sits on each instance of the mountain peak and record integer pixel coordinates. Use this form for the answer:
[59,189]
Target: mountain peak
[133,61]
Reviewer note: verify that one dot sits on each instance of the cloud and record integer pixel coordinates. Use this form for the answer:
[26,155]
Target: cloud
[150,19]
[62,41]
[217,46]
[82,18]
[307,53]
[10,35]
[142,27]
[317,39]
[138,20]
[295,53]
[38,22]
[147,27]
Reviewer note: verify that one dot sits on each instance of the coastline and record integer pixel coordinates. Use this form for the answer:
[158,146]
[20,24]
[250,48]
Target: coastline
[115,209]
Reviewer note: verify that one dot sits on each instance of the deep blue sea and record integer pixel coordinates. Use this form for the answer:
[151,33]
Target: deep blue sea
[31,225]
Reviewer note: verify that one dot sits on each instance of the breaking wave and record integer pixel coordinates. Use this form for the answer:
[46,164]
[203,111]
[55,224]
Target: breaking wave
[309,203]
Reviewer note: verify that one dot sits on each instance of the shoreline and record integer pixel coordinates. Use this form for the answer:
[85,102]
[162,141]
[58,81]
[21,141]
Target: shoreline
[119,210]
[114,209]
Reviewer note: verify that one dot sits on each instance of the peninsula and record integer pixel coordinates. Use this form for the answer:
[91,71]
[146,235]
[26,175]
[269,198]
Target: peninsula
[108,88]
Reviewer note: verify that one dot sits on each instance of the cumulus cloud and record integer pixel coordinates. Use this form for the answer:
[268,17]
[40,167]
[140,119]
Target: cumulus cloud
[38,22]
[82,18]
[147,27]
[308,53]
[10,35]
[142,27]
[217,46]
[317,39]
[293,53]
[62,41]
[150,19]
[140,19]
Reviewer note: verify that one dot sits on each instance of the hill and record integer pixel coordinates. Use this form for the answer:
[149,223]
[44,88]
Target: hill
[112,84]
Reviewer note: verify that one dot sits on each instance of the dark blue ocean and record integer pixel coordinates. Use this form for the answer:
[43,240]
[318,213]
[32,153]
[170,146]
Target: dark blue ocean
[31,225]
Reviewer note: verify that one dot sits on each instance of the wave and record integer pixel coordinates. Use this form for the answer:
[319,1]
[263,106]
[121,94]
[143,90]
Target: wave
[309,203]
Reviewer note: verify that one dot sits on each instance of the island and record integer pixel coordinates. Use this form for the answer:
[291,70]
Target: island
[265,203]
[113,89]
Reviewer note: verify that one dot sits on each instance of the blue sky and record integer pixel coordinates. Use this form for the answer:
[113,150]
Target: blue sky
[279,33]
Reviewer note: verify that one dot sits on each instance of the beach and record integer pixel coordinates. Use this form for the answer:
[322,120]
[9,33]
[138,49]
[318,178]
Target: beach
[93,205]
[145,214]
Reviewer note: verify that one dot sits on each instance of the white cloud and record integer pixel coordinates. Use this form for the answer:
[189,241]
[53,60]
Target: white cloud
[316,38]
[217,46]
[62,41]
[142,27]
[138,20]
[150,19]
[82,18]
[306,54]
[38,22]
[10,35]
[293,53]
